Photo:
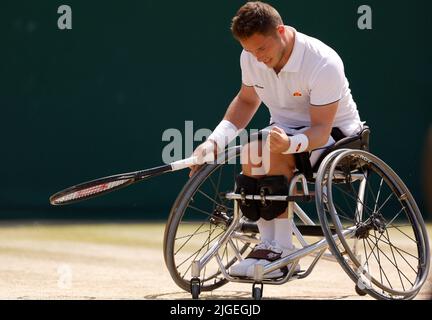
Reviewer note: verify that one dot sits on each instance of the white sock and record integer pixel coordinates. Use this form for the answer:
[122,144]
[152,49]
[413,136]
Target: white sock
[283,232]
[266,229]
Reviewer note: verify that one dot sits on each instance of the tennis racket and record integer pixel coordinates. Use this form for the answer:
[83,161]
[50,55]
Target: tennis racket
[98,187]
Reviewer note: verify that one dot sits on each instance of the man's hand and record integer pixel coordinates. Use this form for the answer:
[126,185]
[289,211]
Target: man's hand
[277,140]
[201,151]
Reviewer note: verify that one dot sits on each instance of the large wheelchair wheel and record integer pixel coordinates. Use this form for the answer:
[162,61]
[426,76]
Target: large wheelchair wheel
[199,217]
[381,240]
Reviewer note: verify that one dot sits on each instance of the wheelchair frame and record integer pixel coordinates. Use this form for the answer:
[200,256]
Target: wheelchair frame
[239,228]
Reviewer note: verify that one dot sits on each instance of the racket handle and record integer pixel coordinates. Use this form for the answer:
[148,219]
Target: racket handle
[191,161]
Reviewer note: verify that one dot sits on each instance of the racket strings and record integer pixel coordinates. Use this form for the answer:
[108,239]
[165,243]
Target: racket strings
[90,191]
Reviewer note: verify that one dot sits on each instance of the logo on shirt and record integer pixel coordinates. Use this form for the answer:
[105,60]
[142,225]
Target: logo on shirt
[258,86]
[297,94]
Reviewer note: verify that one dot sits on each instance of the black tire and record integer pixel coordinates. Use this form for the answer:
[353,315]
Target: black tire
[195,288]
[190,228]
[257,291]
[389,234]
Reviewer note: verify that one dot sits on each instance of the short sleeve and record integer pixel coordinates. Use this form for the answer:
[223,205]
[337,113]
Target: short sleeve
[245,69]
[327,85]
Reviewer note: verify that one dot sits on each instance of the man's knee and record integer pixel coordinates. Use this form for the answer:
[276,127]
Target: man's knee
[251,159]
[278,164]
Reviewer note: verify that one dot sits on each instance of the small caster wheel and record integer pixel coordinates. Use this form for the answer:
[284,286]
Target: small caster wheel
[359,291]
[195,288]
[257,291]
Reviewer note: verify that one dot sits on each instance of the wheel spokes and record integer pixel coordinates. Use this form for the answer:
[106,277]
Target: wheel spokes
[373,204]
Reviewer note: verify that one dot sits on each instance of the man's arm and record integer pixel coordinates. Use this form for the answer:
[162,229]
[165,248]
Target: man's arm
[239,113]
[243,107]
[322,118]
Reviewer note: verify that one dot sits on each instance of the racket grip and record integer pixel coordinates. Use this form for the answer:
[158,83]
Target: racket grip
[191,161]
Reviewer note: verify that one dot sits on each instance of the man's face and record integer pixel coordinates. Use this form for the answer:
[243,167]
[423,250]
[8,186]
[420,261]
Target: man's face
[268,49]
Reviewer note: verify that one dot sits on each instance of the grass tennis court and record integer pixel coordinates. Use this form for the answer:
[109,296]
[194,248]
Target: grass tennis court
[106,260]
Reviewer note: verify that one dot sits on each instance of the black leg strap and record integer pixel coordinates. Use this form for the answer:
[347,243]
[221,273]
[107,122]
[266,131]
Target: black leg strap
[268,186]
[247,186]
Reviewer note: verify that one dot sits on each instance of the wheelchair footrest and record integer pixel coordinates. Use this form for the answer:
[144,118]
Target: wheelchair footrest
[295,275]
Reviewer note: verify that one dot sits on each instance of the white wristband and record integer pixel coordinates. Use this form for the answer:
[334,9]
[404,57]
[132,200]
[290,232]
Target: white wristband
[298,143]
[223,134]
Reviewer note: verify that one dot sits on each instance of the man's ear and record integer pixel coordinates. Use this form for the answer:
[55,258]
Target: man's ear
[281,29]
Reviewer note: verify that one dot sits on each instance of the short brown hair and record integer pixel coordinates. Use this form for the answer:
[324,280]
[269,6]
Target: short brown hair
[255,17]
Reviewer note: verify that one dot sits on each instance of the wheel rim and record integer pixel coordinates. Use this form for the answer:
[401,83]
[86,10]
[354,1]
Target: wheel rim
[391,252]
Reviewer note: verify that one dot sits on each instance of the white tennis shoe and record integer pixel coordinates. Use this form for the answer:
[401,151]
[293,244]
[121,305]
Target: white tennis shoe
[240,269]
[263,253]
[276,252]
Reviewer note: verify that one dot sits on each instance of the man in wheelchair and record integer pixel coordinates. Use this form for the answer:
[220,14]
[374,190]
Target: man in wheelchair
[302,82]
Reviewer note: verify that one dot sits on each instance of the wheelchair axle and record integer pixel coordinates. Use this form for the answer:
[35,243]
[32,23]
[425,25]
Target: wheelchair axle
[219,216]
[376,222]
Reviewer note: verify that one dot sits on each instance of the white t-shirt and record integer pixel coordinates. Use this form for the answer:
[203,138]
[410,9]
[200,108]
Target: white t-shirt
[314,75]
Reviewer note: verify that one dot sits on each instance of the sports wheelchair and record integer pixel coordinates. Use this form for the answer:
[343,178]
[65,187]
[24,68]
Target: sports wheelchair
[368,220]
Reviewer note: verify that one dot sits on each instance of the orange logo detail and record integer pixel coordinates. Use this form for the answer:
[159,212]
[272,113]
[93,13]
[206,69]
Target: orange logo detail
[298,147]
[297,94]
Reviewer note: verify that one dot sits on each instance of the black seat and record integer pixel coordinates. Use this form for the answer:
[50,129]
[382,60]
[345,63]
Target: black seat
[359,141]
